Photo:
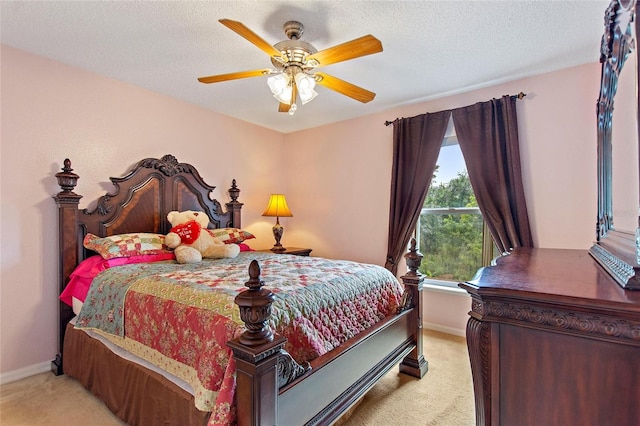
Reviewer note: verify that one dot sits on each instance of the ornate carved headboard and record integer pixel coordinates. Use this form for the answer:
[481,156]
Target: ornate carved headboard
[140,203]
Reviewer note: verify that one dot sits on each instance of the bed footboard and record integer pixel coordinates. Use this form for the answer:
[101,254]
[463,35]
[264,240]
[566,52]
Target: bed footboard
[273,389]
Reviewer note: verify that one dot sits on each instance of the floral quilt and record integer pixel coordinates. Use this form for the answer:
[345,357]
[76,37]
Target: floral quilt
[180,317]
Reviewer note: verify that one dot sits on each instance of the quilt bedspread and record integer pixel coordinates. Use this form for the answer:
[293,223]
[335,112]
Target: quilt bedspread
[180,317]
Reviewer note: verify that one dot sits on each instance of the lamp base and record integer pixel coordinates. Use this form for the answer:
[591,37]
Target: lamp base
[278,230]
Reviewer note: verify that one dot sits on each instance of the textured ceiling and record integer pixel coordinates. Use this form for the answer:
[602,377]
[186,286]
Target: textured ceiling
[431,48]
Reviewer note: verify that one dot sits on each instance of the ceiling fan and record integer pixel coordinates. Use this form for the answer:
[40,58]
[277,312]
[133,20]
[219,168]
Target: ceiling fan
[295,61]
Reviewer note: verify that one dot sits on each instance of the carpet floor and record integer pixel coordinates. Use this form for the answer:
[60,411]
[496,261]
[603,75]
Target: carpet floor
[444,397]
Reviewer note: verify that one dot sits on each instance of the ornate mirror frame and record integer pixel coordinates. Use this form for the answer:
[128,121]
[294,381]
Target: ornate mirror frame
[618,251]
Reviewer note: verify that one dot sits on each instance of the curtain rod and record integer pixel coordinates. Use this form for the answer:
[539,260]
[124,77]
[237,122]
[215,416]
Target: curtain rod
[519,96]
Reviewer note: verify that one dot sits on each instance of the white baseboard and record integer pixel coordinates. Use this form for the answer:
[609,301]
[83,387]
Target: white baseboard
[443,329]
[21,373]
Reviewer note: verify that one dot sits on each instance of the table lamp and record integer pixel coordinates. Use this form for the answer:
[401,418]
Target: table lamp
[277,207]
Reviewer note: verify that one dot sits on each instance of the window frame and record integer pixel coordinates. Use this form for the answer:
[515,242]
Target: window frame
[488,247]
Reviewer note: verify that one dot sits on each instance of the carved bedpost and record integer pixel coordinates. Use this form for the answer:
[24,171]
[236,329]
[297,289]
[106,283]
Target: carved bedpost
[67,202]
[414,364]
[256,353]
[234,206]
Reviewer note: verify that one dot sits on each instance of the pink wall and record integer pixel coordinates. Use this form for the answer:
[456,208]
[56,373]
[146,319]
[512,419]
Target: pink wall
[336,180]
[348,214]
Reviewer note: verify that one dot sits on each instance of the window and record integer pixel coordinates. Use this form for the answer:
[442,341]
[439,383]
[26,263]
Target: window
[451,233]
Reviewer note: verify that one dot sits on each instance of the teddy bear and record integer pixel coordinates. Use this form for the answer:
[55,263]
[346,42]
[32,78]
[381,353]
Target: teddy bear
[192,241]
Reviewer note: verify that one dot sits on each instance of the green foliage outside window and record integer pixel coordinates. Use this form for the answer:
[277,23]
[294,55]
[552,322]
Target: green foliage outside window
[451,243]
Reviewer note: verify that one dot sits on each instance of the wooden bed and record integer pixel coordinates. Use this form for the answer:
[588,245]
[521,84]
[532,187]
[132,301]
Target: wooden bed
[272,389]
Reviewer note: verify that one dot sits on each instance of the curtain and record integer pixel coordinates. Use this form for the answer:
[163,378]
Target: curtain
[488,137]
[416,145]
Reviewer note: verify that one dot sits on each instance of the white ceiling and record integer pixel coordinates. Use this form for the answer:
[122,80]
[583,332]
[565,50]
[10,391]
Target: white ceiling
[431,48]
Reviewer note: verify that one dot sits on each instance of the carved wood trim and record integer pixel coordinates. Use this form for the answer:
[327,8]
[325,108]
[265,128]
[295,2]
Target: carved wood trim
[407,300]
[168,165]
[257,355]
[289,370]
[599,325]
[479,346]
[610,254]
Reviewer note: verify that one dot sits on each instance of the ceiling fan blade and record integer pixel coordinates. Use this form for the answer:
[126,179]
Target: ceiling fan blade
[284,107]
[234,76]
[347,89]
[252,37]
[362,46]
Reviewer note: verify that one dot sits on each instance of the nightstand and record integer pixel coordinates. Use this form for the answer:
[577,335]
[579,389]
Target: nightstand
[297,251]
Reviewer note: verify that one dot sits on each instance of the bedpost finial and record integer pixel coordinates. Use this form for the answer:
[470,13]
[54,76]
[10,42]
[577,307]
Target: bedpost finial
[255,309]
[67,180]
[254,283]
[234,191]
[413,259]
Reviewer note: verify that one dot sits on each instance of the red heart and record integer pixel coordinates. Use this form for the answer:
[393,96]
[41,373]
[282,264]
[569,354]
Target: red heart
[188,232]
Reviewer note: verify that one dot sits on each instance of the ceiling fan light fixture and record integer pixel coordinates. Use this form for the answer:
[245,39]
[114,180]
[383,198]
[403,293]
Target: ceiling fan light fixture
[284,96]
[307,96]
[305,84]
[280,85]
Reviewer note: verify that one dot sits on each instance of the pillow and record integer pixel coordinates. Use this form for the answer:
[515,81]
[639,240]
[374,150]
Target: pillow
[126,245]
[244,247]
[231,235]
[80,279]
[143,258]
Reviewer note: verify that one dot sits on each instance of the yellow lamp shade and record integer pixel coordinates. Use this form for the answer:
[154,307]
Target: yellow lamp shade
[277,207]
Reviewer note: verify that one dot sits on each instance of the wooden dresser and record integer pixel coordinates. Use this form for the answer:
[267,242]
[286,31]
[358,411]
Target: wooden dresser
[553,340]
